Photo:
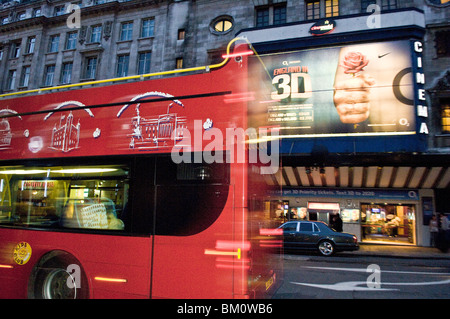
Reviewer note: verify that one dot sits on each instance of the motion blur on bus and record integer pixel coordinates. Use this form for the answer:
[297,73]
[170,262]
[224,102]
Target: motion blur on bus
[149,189]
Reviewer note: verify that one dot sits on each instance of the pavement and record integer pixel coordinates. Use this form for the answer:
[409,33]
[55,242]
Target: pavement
[399,251]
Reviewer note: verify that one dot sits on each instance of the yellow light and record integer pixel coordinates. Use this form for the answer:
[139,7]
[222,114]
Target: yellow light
[84,170]
[110,279]
[6,266]
[23,171]
[223,253]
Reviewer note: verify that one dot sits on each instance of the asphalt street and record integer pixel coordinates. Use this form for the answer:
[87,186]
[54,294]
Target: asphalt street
[359,276]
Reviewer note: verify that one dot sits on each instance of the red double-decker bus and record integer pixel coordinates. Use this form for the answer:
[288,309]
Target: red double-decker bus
[123,191]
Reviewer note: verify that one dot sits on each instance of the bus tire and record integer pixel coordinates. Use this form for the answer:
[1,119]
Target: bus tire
[58,275]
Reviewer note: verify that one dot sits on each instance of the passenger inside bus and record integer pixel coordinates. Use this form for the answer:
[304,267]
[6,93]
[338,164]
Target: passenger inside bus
[90,213]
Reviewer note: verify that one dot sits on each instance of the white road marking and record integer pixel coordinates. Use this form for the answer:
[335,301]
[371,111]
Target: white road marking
[357,285]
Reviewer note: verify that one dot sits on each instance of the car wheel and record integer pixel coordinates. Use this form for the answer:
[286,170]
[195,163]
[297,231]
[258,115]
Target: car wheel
[326,248]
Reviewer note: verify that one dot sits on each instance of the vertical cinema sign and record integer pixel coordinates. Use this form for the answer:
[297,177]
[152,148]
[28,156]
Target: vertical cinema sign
[422,108]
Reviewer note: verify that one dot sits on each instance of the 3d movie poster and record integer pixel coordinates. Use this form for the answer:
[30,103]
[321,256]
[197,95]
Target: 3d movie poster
[354,90]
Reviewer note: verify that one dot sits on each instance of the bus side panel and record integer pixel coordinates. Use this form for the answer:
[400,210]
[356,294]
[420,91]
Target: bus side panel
[103,258]
[197,266]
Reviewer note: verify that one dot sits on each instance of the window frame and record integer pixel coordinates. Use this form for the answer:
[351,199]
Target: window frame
[150,28]
[445,115]
[222,19]
[66,73]
[25,76]
[11,80]
[332,4]
[53,43]
[126,31]
[122,66]
[71,40]
[146,67]
[275,14]
[31,45]
[59,10]
[90,67]
[262,17]
[316,12]
[58,219]
[15,49]
[49,75]
[95,35]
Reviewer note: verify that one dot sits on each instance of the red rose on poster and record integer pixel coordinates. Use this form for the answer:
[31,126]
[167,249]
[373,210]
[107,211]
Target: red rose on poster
[354,62]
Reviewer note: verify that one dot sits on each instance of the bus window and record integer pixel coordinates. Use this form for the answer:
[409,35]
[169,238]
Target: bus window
[64,197]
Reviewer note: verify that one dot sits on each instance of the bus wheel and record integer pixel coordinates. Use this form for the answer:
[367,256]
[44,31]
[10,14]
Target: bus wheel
[58,275]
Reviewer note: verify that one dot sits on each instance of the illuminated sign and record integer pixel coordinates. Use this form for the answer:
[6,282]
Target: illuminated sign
[354,90]
[422,109]
[322,27]
[323,206]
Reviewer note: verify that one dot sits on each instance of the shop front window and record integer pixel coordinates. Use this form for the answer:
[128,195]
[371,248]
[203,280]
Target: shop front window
[388,223]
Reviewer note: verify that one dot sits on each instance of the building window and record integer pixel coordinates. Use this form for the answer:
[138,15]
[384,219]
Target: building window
[11,80]
[71,41]
[31,43]
[331,8]
[262,17]
[21,15]
[366,3]
[5,20]
[442,43]
[181,34]
[25,76]
[66,73]
[388,4]
[91,68]
[438,2]
[271,15]
[122,65]
[445,115]
[59,10]
[36,12]
[96,34]
[15,49]
[221,25]
[179,63]
[316,9]
[147,28]
[126,31]
[312,9]
[279,14]
[54,43]
[144,62]
[49,75]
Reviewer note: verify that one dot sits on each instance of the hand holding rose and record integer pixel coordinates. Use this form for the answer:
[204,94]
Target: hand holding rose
[352,94]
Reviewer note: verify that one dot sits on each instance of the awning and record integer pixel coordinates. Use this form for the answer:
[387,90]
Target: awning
[362,177]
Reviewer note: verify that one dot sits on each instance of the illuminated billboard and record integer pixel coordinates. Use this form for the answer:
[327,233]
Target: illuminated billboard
[352,90]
